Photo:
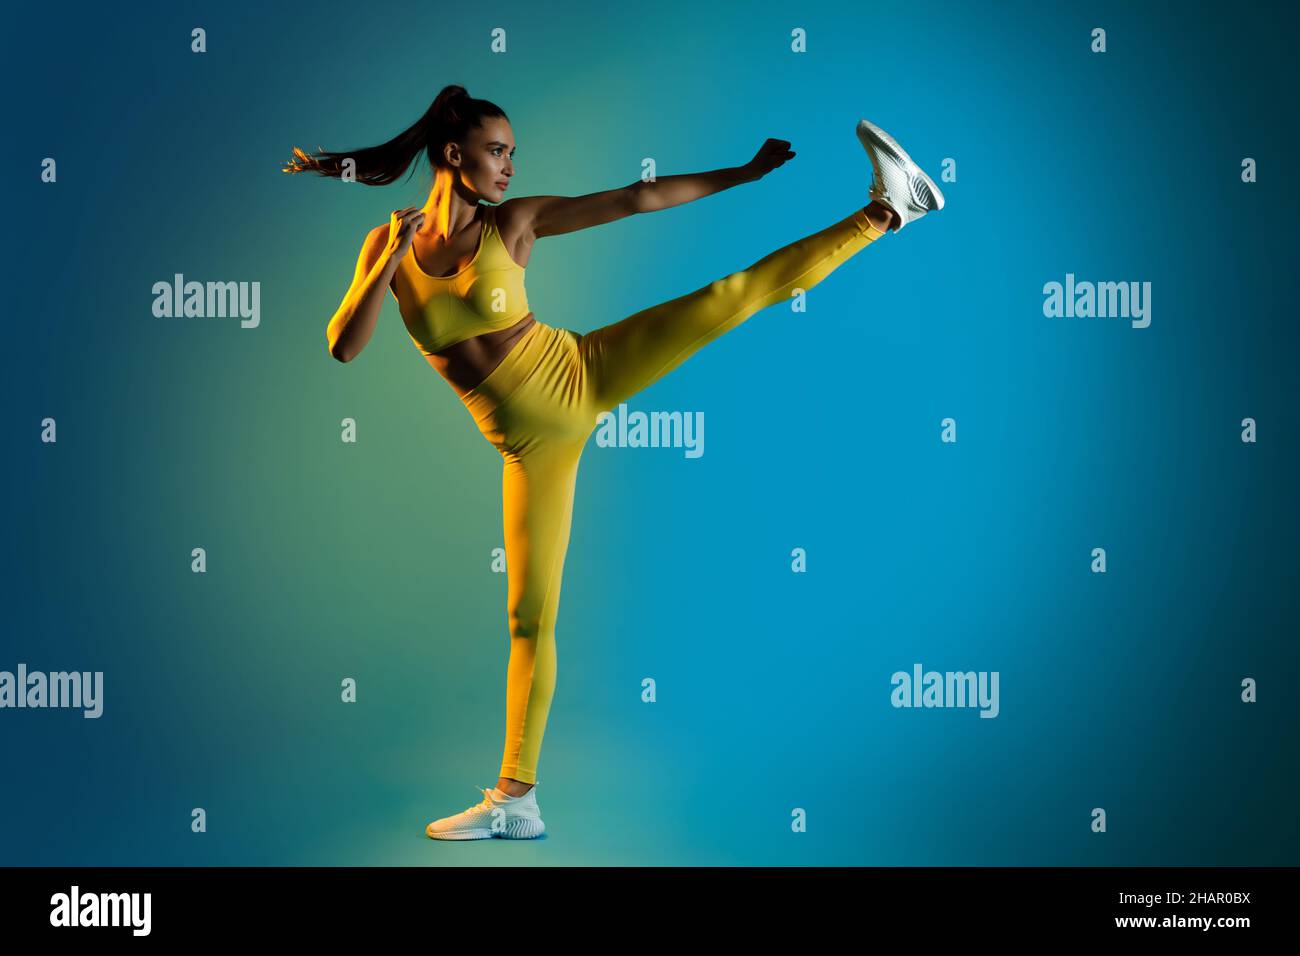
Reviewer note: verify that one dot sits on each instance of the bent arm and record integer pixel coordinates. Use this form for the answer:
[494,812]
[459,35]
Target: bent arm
[354,322]
[557,215]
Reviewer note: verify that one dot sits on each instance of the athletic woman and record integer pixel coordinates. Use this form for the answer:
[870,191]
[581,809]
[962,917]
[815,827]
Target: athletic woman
[456,268]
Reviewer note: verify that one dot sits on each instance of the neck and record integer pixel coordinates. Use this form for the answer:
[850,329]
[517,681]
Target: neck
[450,206]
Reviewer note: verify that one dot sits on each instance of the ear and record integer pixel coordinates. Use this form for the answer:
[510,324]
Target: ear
[451,153]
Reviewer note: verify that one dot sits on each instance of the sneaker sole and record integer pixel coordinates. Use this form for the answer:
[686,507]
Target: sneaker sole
[887,142]
[522,829]
[514,830]
[477,834]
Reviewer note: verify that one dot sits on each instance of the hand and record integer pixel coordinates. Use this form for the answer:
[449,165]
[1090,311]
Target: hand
[773,153]
[402,228]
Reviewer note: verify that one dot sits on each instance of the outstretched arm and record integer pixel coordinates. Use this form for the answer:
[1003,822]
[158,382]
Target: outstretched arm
[556,215]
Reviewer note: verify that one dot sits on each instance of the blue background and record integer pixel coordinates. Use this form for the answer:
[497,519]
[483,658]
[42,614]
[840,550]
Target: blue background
[372,561]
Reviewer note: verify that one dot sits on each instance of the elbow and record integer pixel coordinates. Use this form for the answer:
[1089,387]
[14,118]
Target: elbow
[338,352]
[638,197]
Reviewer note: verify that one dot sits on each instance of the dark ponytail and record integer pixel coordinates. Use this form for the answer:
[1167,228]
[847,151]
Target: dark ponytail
[450,117]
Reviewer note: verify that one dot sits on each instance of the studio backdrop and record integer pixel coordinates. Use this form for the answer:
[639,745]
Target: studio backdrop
[980,553]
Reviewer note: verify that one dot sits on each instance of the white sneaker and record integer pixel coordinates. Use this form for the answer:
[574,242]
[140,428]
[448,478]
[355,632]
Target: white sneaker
[496,815]
[898,183]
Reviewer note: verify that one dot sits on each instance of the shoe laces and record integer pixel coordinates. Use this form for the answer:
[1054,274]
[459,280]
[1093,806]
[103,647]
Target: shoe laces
[487,800]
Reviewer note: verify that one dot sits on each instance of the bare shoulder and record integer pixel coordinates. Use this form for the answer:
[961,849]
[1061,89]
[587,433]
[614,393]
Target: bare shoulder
[372,246]
[516,216]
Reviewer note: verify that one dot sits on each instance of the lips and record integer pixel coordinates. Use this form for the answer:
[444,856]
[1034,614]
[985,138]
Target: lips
[504,184]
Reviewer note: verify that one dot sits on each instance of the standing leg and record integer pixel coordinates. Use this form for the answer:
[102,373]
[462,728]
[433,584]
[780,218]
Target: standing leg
[623,358]
[537,497]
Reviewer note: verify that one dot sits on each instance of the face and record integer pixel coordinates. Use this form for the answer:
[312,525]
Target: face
[486,161]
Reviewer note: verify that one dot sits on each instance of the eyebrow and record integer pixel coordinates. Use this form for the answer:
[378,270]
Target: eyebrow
[497,142]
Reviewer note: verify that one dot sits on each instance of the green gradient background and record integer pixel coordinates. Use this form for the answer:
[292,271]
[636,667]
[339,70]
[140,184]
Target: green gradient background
[371,560]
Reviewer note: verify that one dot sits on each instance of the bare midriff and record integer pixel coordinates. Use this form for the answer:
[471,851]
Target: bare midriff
[467,363]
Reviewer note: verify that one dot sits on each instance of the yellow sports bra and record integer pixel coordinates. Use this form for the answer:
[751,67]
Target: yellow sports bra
[486,296]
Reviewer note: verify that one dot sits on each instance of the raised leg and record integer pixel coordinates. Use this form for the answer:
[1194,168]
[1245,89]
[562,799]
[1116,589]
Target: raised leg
[623,358]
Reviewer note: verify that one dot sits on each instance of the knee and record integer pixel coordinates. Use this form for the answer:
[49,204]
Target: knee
[727,289]
[526,622]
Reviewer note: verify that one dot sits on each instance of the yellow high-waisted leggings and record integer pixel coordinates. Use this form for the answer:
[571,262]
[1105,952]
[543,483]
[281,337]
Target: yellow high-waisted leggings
[539,406]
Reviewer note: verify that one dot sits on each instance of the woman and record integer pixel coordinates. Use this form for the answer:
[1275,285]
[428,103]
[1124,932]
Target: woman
[456,269]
